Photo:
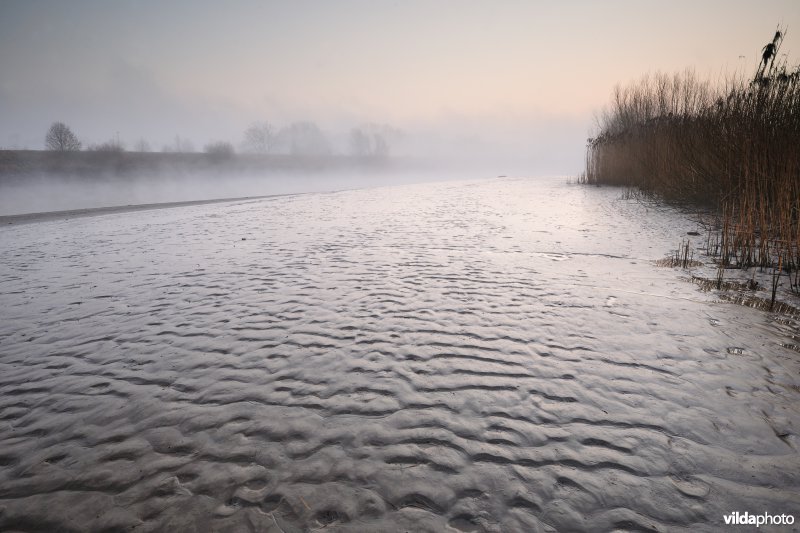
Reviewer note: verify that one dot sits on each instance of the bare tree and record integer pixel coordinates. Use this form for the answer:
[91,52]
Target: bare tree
[371,140]
[359,143]
[60,138]
[112,145]
[219,149]
[380,146]
[184,146]
[304,139]
[142,145]
[259,138]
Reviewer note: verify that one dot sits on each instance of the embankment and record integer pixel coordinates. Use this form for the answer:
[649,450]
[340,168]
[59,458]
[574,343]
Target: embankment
[16,165]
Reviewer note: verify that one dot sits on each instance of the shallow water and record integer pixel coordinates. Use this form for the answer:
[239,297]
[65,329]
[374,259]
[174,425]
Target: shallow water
[496,355]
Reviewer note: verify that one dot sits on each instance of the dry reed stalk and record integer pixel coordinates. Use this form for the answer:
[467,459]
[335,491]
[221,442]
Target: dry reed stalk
[731,147]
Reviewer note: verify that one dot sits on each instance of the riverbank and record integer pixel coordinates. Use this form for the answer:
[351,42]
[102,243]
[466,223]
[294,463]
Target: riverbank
[19,165]
[728,147]
[29,218]
[497,355]
[40,181]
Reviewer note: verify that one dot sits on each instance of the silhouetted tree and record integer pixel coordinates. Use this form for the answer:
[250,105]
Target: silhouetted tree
[304,139]
[219,149]
[259,138]
[370,140]
[60,138]
[380,147]
[142,146]
[108,146]
[183,146]
[359,143]
[111,145]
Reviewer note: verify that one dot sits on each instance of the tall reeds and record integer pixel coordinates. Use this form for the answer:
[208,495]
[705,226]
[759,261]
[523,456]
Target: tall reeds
[731,147]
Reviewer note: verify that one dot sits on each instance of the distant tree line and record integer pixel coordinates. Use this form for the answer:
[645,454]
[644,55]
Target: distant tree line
[301,138]
[306,139]
[370,140]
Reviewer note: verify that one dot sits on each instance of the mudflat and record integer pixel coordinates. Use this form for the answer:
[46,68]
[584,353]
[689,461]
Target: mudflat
[494,355]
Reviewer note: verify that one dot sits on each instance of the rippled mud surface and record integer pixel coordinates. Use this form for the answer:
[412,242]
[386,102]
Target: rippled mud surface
[475,356]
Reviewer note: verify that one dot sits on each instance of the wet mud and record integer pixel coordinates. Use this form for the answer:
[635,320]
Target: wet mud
[497,355]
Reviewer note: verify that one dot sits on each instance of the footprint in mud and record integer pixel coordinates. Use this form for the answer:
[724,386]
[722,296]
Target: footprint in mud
[256,483]
[327,517]
[271,502]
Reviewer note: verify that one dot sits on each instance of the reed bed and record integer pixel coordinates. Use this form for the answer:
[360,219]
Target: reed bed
[732,148]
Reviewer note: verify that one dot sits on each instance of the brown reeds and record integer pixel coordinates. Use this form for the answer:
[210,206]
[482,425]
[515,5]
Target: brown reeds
[683,257]
[731,148]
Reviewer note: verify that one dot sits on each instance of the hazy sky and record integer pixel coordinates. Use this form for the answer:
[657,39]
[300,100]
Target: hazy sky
[519,77]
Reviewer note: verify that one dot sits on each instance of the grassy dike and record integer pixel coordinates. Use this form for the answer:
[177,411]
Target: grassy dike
[732,148]
[20,165]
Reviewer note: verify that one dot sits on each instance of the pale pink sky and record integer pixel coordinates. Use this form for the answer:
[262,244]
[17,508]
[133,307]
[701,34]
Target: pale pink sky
[507,73]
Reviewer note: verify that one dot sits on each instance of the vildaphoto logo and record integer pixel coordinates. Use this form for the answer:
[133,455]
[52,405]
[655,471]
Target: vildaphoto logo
[746,519]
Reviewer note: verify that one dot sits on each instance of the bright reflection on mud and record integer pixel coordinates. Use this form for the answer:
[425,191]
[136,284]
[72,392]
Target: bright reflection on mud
[495,355]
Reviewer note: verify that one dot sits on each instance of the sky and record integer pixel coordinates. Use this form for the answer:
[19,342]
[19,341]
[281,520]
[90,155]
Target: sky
[515,79]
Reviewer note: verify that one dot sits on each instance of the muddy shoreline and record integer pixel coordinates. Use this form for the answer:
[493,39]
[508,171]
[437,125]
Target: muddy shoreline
[28,218]
[499,355]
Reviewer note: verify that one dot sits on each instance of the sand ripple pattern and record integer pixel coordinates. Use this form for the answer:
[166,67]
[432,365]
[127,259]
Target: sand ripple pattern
[465,356]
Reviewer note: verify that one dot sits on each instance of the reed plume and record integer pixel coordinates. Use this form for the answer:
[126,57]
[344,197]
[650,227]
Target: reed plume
[730,147]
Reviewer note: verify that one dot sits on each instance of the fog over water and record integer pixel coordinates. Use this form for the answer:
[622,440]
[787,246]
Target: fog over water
[513,81]
[43,193]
